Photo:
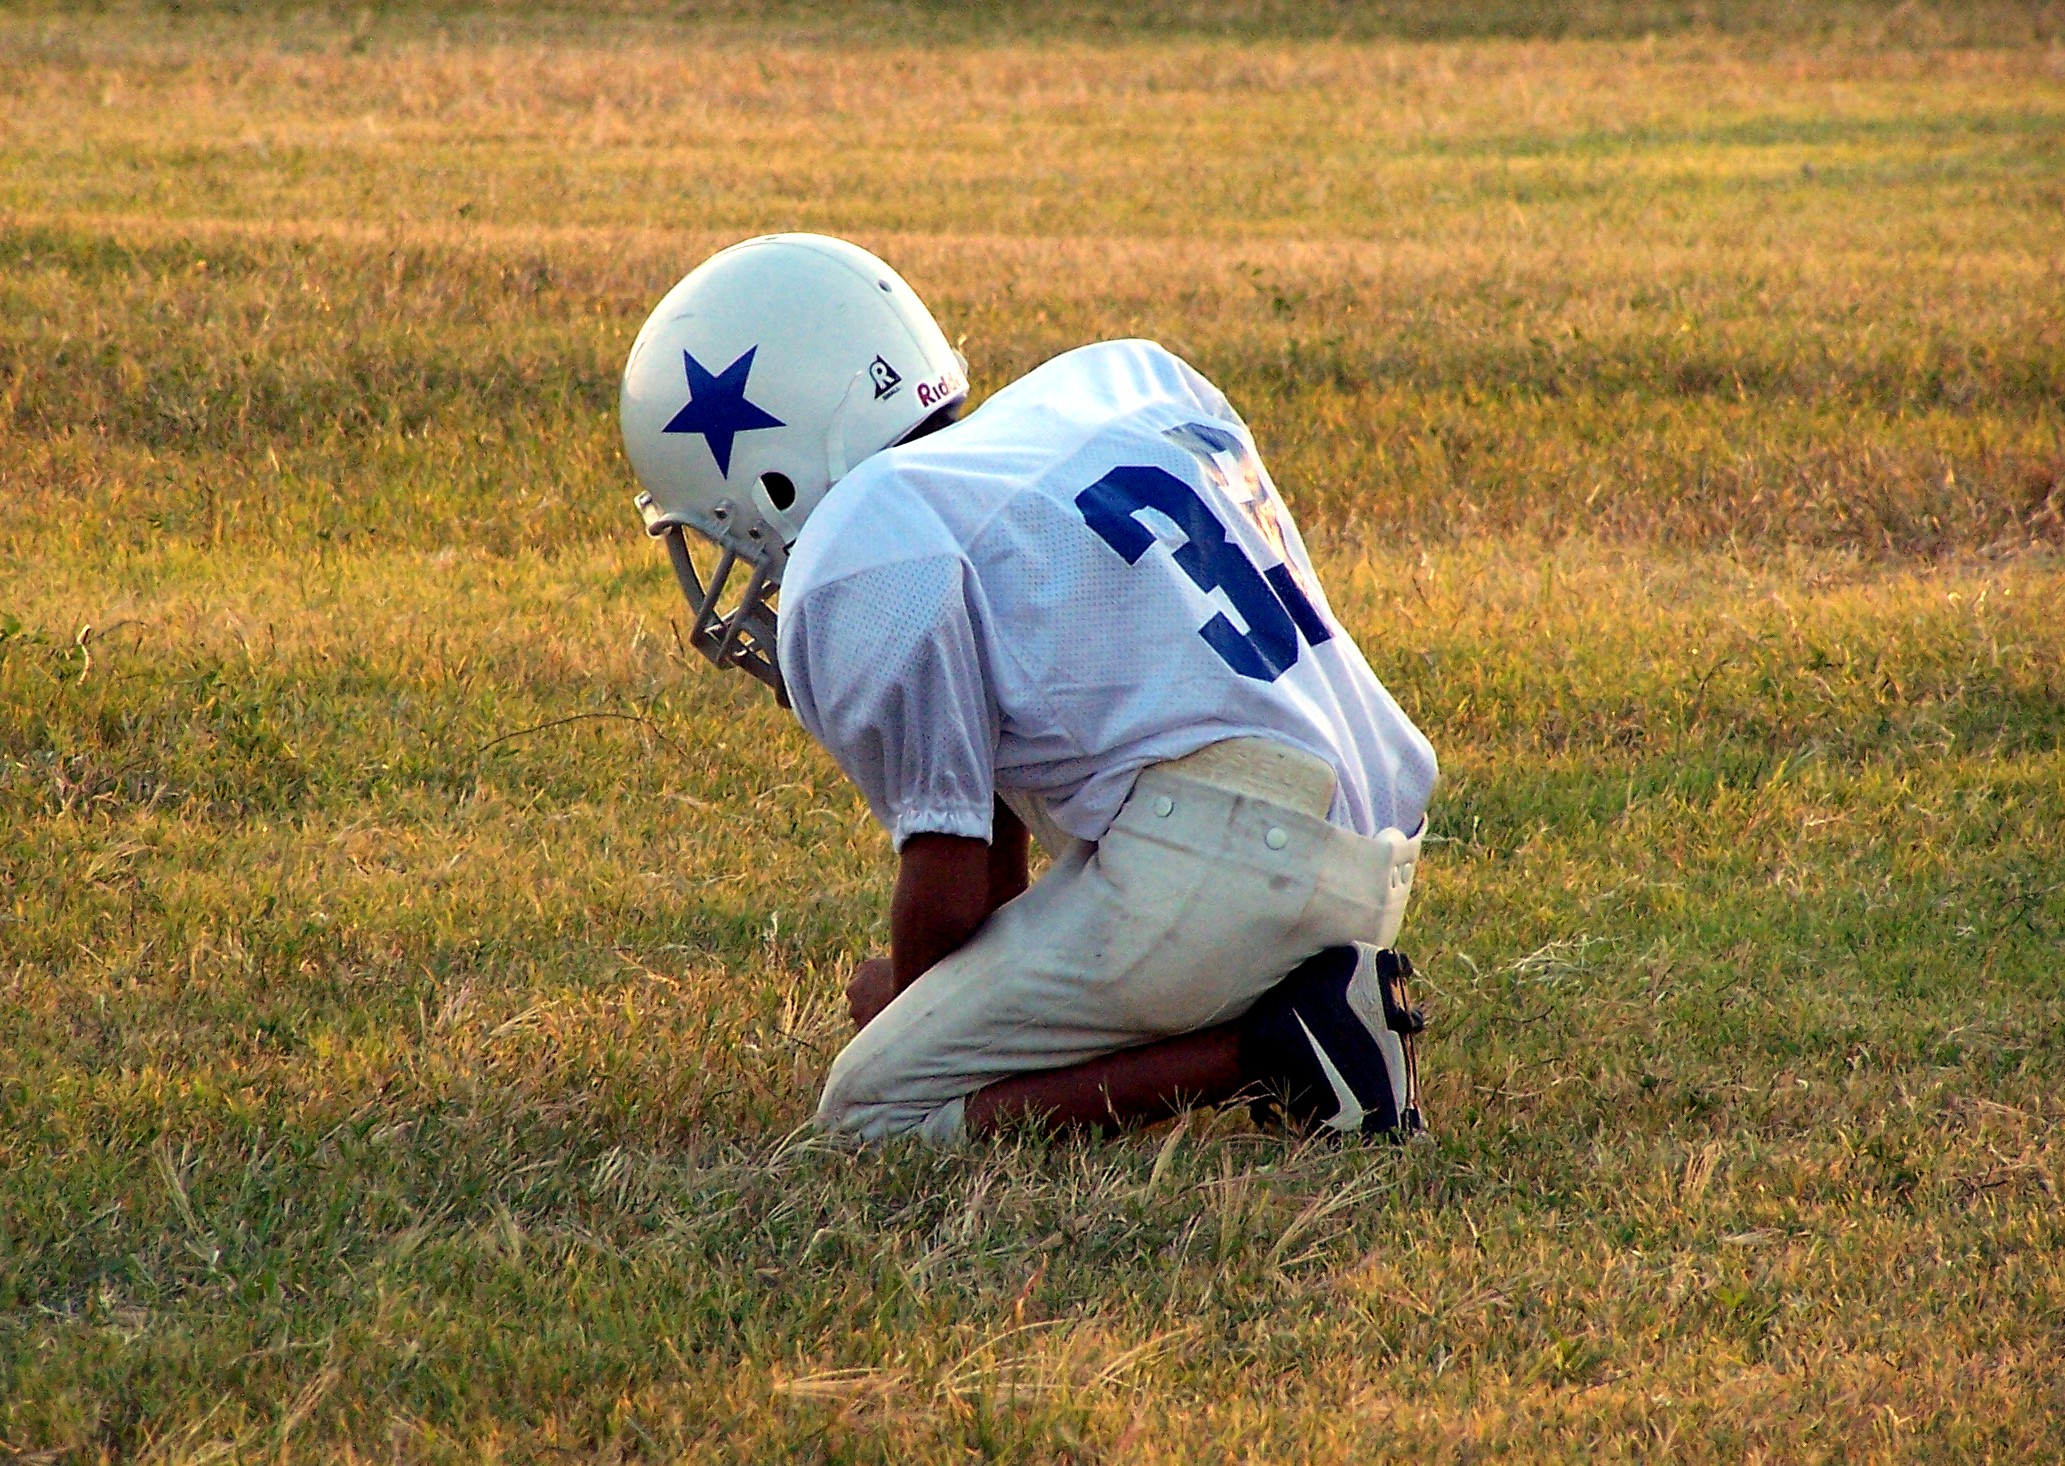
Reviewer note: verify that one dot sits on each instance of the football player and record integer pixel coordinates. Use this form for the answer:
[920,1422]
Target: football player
[1080,611]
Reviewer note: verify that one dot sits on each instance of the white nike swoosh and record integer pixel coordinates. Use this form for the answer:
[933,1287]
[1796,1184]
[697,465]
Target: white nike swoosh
[1349,1116]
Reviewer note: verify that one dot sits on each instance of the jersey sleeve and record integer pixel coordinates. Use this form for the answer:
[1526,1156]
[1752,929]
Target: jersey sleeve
[884,668]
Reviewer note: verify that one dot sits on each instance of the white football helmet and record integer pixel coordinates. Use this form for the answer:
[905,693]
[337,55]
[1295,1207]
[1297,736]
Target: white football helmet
[771,370]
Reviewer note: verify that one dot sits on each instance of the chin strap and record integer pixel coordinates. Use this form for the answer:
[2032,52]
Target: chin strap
[1408,1022]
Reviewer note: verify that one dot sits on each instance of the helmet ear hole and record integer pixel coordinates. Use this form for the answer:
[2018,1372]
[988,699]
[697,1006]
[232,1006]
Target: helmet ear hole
[781,490]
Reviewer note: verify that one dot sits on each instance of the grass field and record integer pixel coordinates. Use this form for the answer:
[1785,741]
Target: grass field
[414,972]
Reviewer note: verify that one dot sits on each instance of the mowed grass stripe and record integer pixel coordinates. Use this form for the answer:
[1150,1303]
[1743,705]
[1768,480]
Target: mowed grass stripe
[1197,140]
[1396,395]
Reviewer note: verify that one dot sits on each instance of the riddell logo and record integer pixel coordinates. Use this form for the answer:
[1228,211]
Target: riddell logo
[931,394]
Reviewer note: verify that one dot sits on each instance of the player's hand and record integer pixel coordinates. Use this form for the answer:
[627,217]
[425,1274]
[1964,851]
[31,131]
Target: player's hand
[870,991]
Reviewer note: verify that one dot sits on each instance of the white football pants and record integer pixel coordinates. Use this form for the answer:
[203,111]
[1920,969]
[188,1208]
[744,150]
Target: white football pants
[1219,876]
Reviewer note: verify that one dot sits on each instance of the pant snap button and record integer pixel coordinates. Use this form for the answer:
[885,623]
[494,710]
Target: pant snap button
[1276,839]
[1164,806]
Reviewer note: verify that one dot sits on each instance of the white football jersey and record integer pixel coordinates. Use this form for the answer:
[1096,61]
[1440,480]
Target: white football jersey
[1089,574]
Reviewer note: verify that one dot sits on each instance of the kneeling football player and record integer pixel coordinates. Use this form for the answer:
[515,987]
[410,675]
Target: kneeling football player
[1081,611]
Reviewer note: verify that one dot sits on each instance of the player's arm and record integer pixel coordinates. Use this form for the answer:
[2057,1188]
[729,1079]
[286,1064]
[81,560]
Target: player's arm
[942,896]
[884,669]
[1010,857]
[937,877]
[946,888]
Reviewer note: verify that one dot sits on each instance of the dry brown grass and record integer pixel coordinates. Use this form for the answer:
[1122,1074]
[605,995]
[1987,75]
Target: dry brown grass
[1671,290]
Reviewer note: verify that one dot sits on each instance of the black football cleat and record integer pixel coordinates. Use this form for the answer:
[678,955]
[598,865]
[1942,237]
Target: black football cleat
[1330,1048]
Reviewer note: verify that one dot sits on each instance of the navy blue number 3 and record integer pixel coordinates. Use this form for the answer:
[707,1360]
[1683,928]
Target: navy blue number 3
[1275,609]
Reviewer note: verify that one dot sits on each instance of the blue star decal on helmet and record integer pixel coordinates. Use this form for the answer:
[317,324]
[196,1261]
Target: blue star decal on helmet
[717,407]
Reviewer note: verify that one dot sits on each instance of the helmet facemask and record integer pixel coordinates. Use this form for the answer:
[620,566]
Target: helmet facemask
[744,634]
